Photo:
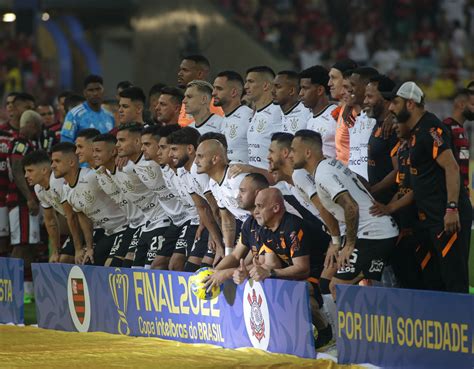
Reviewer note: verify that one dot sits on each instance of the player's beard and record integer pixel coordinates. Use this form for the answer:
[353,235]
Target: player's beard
[182,161]
[468,114]
[404,115]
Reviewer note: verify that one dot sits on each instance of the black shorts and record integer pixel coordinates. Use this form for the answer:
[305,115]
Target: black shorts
[132,248]
[238,228]
[178,239]
[67,248]
[150,244]
[407,260]
[199,248]
[369,258]
[122,245]
[103,247]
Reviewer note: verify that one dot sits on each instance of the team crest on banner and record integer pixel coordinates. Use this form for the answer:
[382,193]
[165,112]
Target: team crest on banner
[119,286]
[257,318]
[78,299]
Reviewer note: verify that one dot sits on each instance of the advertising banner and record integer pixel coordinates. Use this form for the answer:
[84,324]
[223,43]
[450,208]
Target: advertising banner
[273,315]
[11,290]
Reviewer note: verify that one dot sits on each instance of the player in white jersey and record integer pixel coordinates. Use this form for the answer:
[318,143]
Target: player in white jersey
[227,93]
[359,133]
[314,95]
[154,233]
[369,239]
[286,94]
[131,105]
[182,152]
[95,209]
[197,99]
[51,194]
[104,155]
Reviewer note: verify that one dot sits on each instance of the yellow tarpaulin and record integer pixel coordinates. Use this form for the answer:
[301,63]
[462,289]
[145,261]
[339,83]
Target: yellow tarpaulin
[22,347]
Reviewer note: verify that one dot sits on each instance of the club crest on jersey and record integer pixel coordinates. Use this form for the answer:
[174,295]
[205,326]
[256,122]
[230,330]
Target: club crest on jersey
[78,299]
[150,172]
[261,125]
[436,135]
[129,186]
[89,197]
[233,131]
[257,318]
[294,124]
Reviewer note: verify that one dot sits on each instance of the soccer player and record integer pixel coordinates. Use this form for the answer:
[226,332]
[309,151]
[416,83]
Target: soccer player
[463,109]
[227,93]
[122,85]
[60,108]
[89,114]
[51,194]
[169,105]
[286,94]
[381,164]
[369,240]
[22,103]
[131,105]
[102,221]
[313,94]
[51,133]
[445,211]
[153,97]
[360,132]
[9,100]
[197,99]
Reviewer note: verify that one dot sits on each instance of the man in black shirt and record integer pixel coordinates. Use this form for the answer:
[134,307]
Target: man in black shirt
[444,209]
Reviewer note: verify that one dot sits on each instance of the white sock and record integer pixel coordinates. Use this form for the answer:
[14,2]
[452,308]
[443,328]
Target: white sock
[329,309]
[28,287]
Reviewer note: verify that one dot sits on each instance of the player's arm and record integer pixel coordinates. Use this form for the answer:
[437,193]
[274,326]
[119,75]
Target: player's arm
[74,230]
[207,218]
[388,181]
[379,209]
[69,129]
[228,226]
[447,161]
[298,271]
[20,181]
[351,216]
[87,231]
[236,169]
[213,205]
[52,227]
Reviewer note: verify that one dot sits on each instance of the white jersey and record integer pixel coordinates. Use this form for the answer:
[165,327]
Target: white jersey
[325,124]
[333,179]
[263,125]
[139,195]
[226,193]
[179,188]
[151,175]
[295,119]
[288,189]
[134,215]
[235,126]
[54,195]
[86,196]
[211,124]
[194,182]
[359,136]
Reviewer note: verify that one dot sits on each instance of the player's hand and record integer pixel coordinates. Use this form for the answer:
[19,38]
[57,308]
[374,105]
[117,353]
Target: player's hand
[331,256]
[236,169]
[121,162]
[219,254]
[451,222]
[388,127]
[54,258]
[199,230]
[33,206]
[215,279]
[344,257]
[241,273]
[257,272]
[88,256]
[378,209]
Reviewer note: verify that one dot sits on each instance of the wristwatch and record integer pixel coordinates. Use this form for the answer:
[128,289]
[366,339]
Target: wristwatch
[452,205]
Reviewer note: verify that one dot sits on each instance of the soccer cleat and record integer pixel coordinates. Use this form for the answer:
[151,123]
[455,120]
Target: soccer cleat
[324,337]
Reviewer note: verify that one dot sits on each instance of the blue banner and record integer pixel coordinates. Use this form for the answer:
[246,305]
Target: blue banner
[273,315]
[399,328]
[11,290]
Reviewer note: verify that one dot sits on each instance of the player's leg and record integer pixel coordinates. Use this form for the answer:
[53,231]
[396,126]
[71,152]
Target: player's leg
[120,248]
[5,246]
[198,253]
[155,240]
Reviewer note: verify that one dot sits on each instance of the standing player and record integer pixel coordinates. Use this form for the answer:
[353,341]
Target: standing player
[51,133]
[51,194]
[369,240]
[445,211]
[9,100]
[131,105]
[89,114]
[153,96]
[286,94]
[313,94]
[169,105]
[227,93]
[197,99]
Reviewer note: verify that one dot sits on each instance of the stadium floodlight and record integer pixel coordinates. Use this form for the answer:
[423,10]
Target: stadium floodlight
[45,17]
[9,17]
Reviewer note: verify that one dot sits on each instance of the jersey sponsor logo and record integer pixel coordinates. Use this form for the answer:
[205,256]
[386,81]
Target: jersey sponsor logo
[256,316]
[119,286]
[19,148]
[376,266]
[255,159]
[78,299]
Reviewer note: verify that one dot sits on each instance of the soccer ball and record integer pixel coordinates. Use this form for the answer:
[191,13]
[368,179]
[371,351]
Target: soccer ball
[197,284]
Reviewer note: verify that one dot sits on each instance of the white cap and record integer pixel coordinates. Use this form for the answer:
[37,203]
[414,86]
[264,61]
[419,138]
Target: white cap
[410,91]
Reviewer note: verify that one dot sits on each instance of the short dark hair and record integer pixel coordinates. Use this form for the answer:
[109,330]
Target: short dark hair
[152,130]
[290,74]
[65,94]
[213,136]
[366,73]
[25,97]
[88,133]
[344,65]
[198,59]
[124,84]
[156,89]
[464,92]
[176,93]
[283,138]
[133,93]
[73,100]
[167,130]
[14,94]
[231,76]
[262,69]
[259,179]
[93,78]
[185,136]
[132,127]
[309,136]
[106,137]
[36,157]
[318,76]
[64,147]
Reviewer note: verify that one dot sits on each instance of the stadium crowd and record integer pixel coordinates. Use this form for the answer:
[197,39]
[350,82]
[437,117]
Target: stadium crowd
[335,176]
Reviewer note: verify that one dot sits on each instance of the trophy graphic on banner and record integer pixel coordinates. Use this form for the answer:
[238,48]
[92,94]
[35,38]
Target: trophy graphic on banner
[119,288]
